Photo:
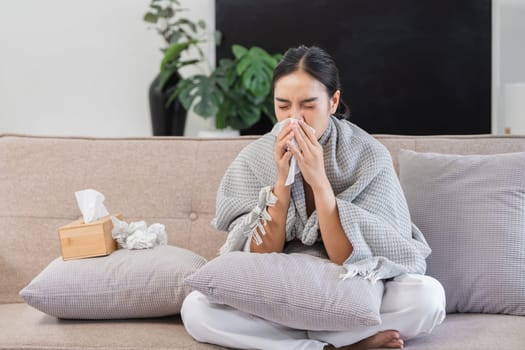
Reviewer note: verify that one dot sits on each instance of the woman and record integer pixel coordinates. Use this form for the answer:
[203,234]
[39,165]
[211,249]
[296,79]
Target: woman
[345,198]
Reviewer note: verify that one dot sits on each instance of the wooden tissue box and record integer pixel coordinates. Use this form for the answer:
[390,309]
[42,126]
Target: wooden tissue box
[79,240]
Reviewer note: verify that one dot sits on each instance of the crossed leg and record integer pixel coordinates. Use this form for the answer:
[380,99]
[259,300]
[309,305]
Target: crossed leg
[412,305]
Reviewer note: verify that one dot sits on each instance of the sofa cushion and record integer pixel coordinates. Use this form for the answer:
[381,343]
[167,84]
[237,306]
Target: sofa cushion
[24,327]
[471,210]
[124,284]
[295,290]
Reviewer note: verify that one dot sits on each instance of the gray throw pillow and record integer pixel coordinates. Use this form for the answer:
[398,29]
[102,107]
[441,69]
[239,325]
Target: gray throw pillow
[295,290]
[124,284]
[471,209]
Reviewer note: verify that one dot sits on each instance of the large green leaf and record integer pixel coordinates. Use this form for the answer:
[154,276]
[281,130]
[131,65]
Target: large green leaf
[182,93]
[237,92]
[245,117]
[255,67]
[173,52]
[239,51]
[267,109]
[165,76]
[201,92]
[226,71]
[226,109]
[242,113]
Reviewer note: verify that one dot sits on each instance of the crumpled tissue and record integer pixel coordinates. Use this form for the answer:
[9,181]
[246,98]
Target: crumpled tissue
[136,235]
[294,168]
[91,204]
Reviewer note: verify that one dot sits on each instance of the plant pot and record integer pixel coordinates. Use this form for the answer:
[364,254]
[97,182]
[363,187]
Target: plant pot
[166,121]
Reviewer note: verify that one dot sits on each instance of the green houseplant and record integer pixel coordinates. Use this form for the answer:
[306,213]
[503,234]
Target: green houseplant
[181,36]
[237,92]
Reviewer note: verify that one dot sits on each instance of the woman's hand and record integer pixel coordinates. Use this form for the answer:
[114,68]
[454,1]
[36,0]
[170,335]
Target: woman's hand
[281,152]
[309,155]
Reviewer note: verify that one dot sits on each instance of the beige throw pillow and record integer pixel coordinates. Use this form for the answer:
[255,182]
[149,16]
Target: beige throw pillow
[125,284]
[471,209]
[295,290]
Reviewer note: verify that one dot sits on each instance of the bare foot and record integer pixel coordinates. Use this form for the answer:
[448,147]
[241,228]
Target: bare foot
[386,339]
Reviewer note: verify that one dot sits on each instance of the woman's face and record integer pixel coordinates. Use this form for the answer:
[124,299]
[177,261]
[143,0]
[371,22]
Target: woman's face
[298,95]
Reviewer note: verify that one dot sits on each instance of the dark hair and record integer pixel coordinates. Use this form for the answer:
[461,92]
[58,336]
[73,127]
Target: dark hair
[318,64]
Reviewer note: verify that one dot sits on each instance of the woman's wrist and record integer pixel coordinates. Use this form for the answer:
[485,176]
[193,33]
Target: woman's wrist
[283,194]
[280,186]
[321,186]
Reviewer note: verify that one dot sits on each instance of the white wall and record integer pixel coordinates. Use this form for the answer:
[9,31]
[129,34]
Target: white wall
[508,56]
[71,67]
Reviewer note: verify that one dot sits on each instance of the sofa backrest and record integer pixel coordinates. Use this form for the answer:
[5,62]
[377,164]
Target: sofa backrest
[170,180]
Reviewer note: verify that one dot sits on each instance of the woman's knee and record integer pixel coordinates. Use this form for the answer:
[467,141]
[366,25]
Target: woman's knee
[423,295]
[192,312]
[430,298]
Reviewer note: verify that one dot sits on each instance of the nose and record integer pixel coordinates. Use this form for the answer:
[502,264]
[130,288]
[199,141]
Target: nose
[295,111]
[296,115]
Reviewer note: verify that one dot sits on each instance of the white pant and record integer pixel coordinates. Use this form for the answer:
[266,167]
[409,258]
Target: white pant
[412,305]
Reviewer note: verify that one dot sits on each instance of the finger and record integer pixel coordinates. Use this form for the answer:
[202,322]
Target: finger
[287,156]
[287,140]
[302,140]
[284,163]
[285,131]
[309,133]
[281,145]
[295,151]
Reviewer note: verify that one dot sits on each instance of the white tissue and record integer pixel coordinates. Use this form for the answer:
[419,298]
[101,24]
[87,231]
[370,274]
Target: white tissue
[136,235]
[294,169]
[91,204]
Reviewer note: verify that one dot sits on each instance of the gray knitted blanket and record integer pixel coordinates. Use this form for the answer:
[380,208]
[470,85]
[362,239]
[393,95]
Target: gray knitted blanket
[370,201]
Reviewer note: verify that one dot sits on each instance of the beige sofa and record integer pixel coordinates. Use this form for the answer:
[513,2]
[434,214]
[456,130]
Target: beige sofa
[167,180]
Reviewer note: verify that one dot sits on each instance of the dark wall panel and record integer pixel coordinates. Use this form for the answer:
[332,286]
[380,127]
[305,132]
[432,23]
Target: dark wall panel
[407,66]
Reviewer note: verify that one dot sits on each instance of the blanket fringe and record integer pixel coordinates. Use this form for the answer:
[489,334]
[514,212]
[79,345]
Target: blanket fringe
[371,274]
[256,219]
[266,199]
